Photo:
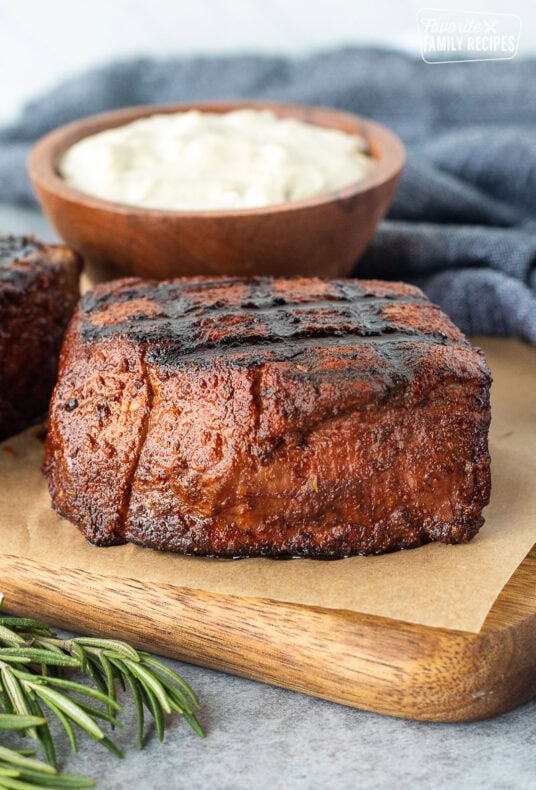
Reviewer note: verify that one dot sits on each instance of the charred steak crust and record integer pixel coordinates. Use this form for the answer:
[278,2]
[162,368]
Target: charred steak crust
[38,293]
[268,417]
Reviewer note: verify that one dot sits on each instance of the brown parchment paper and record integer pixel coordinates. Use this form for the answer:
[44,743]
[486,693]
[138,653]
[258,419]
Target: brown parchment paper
[437,585]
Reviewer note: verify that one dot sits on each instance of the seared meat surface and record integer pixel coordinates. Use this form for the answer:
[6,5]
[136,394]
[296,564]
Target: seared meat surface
[268,417]
[38,293]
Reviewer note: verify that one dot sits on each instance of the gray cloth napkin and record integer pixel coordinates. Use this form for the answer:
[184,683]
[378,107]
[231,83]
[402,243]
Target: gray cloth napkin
[463,222]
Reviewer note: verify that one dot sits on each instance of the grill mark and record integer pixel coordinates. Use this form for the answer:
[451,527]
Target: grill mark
[161,292]
[261,293]
[179,311]
[206,284]
[344,292]
[278,320]
[261,298]
[326,303]
[274,326]
[258,352]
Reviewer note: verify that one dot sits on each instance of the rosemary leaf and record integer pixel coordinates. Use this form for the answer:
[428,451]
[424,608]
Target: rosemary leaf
[79,688]
[16,695]
[43,733]
[15,784]
[115,645]
[66,724]
[59,781]
[169,673]
[109,675]
[97,713]
[10,756]
[194,723]
[36,781]
[37,656]
[94,671]
[47,644]
[111,746]
[151,703]
[11,637]
[136,696]
[150,682]
[180,705]
[5,702]
[70,708]
[79,653]
[174,694]
[14,722]
[26,623]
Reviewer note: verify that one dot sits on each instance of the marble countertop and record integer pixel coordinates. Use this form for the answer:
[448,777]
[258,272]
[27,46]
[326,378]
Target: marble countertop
[263,737]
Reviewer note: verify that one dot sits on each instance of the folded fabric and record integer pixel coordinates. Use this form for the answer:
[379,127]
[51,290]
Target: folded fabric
[463,222]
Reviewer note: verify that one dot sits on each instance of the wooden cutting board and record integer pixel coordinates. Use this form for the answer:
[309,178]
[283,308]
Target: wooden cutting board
[367,662]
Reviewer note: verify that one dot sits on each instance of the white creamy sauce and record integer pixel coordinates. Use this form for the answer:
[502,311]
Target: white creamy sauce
[201,161]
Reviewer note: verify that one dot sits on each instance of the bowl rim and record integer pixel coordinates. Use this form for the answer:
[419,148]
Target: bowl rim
[44,155]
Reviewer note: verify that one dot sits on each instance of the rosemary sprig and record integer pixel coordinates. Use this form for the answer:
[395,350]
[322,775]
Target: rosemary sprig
[33,684]
[18,771]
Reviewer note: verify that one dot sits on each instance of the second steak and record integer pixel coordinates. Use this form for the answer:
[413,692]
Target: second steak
[38,293]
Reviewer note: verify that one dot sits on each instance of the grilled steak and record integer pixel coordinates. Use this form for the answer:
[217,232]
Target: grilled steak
[38,293]
[264,417]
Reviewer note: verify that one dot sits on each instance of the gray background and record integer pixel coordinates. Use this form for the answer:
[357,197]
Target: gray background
[263,737]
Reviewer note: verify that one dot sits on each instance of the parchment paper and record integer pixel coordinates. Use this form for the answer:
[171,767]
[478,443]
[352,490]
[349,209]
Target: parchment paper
[437,585]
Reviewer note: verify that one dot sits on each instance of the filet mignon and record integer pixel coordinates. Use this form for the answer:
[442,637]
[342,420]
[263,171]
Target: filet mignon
[268,417]
[38,293]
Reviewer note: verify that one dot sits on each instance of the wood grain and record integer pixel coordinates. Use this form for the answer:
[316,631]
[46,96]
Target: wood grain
[367,662]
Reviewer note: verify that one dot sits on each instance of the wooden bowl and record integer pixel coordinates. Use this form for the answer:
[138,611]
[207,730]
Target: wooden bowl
[322,236]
